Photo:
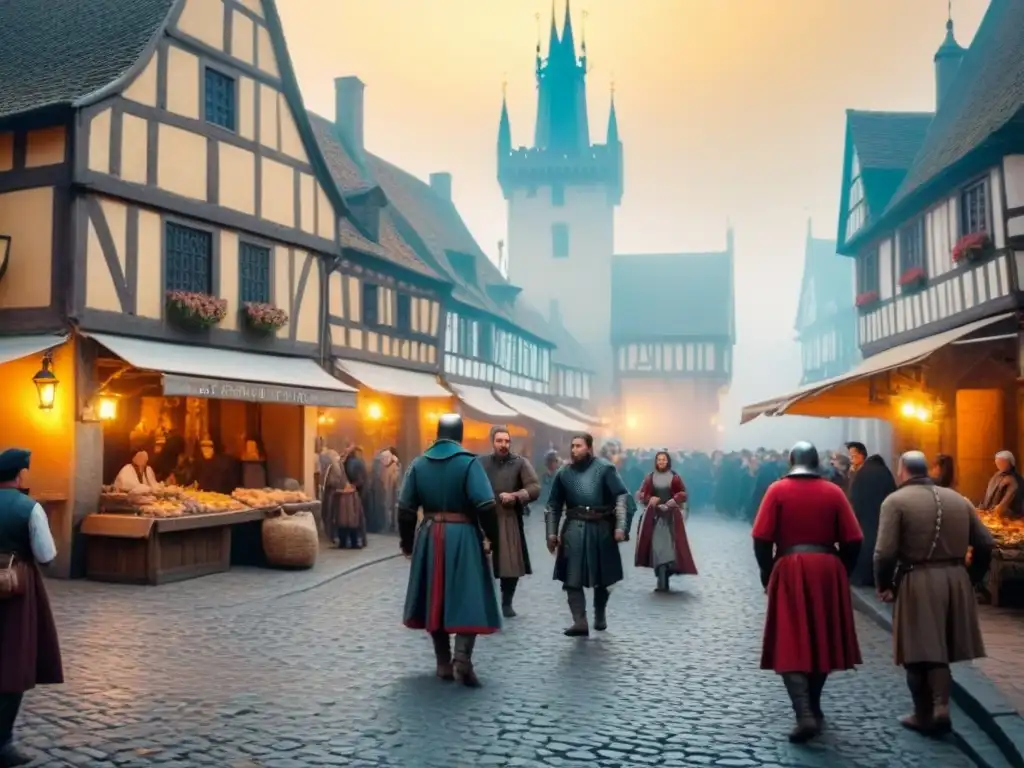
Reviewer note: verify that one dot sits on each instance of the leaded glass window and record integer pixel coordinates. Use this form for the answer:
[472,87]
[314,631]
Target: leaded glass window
[189,259]
[220,99]
[253,273]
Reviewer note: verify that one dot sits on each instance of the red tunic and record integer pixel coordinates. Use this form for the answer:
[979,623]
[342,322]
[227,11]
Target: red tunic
[809,626]
[684,563]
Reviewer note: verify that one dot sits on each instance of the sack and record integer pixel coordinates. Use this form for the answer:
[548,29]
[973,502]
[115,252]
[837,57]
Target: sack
[12,579]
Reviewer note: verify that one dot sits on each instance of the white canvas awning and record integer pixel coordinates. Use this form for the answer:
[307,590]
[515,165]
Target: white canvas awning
[847,398]
[541,412]
[579,415]
[17,347]
[483,401]
[392,381]
[228,374]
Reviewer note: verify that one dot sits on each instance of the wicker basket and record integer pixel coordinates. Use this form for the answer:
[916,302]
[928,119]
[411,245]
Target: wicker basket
[291,541]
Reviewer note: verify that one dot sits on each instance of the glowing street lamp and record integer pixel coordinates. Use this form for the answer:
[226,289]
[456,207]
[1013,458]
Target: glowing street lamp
[375,412]
[46,384]
[108,408]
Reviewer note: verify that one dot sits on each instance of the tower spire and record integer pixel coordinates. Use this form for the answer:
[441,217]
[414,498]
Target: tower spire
[553,35]
[613,122]
[947,60]
[504,125]
[568,40]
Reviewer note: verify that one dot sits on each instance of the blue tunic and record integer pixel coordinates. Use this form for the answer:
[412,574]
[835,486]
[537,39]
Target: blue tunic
[450,585]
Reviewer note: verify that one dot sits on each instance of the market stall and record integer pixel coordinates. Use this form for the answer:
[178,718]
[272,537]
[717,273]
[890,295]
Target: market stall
[1008,557]
[172,533]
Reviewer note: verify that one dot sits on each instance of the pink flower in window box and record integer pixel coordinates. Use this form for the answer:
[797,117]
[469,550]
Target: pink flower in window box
[914,277]
[196,310]
[264,318]
[866,299]
[971,247]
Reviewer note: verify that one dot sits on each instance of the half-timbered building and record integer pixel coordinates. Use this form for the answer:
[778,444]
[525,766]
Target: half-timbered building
[938,250]
[166,207]
[673,331]
[385,306]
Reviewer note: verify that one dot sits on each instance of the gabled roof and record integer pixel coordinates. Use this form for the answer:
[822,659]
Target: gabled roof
[56,53]
[352,181]
[885,144]
[438,224]
[986,96]
[830,275]
[671,295]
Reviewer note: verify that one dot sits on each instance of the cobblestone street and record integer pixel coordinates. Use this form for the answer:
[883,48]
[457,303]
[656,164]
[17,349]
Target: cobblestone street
[183,676]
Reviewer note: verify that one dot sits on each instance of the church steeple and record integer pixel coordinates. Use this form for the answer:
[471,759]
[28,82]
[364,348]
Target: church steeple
[613,123]
[504,127]
[562,124]
[947,61]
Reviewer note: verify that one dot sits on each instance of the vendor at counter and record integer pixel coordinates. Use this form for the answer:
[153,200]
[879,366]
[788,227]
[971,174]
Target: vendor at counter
[1004,496]
[136,474]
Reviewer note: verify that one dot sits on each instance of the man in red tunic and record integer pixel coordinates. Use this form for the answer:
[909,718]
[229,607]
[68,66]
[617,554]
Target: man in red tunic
[806,540]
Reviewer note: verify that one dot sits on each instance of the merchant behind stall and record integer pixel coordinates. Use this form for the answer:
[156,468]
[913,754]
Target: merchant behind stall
[136,474]
[1004,497]
[29,650]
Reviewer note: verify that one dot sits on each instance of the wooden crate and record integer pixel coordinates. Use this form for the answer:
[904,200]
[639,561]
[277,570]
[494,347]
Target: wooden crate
[143,550]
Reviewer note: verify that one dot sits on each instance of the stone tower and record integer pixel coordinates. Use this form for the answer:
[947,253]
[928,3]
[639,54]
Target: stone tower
[562,193]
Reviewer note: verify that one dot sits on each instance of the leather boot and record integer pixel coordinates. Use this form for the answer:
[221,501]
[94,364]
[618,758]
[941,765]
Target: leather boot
[443,654]
[799,691]
[463,666]
[600,608]
[508,591]
[817,685]
[662,573]
[940,680]
[921,718]
[578,608]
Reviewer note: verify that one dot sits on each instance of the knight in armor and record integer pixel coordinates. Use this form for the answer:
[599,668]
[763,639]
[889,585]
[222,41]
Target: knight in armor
[515,485]
[593,497]
[806,541]
[662,543]
[451,590]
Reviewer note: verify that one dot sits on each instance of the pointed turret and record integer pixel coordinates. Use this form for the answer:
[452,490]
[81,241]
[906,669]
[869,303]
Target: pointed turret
[613,123]
[553,42]
[504,130]
[947,62]
[568,39]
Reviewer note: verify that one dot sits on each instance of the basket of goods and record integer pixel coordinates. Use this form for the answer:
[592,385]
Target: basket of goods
[269,498]
[290,541]
[1008,534]
[116,502]
[210,503]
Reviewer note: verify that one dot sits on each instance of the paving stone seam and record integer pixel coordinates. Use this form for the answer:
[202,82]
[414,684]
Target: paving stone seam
[989,722]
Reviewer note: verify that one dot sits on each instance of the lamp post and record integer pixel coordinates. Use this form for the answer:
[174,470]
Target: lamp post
[46,384]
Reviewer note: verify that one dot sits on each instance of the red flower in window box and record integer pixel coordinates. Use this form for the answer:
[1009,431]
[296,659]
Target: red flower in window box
[866,299]
[971,247]
[264,318]
[914,277]
[195,310]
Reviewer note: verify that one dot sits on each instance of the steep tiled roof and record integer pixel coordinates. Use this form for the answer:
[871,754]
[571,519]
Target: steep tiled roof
[987,95]
[56,52]
[831,274]
[438,224]
[672,295]
[351,180]
[886,144]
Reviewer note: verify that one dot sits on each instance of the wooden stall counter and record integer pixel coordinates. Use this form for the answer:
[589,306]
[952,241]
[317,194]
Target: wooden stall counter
[129,549]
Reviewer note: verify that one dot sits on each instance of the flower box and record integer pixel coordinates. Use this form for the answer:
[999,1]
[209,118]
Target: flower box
[264,318]
[867,298]
[971,247]
[195,310]
[913,278]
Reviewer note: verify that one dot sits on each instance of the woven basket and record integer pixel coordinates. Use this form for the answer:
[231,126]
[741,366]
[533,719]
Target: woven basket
[291,541]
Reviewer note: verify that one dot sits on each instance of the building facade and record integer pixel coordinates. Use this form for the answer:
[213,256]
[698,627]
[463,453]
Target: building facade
[562,192]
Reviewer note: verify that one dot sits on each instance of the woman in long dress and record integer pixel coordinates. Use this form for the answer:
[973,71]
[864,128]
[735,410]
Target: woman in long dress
[661,540]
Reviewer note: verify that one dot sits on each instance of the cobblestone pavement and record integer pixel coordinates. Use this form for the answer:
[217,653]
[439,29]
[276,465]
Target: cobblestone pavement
[326,676]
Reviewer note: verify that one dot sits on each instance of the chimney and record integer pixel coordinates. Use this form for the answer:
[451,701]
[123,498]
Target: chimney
[348,110]
[441,183]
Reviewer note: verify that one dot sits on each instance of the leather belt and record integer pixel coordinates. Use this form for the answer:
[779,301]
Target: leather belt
[447,517]
[590,514]
[946,562]
[808,549]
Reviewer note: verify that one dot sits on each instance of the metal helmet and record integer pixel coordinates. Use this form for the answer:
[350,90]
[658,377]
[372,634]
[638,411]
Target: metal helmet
[450,427]
[803,460]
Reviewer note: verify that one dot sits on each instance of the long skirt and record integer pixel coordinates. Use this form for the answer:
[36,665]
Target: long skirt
[589,555]
[509,562]
[450,585]
[349,510]
[809,626]
[29,649]
[662,540]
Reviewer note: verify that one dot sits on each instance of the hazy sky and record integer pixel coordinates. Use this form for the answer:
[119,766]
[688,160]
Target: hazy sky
[728,109]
